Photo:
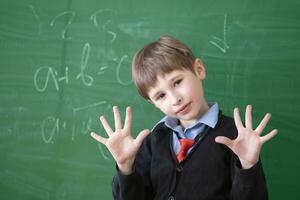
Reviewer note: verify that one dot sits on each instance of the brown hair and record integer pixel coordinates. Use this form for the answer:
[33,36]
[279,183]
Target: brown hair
[159,57]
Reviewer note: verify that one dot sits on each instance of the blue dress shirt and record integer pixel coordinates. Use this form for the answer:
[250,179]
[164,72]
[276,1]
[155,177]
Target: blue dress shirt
[210,118]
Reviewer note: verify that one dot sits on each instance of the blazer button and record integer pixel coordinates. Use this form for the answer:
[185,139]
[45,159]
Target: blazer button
[171,198]
[179,168]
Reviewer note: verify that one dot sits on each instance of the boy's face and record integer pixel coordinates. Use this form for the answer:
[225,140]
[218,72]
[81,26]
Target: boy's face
[179,94]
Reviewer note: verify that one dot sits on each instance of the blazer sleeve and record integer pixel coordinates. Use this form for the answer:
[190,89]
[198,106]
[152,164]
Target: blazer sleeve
[248,184]
[138,184]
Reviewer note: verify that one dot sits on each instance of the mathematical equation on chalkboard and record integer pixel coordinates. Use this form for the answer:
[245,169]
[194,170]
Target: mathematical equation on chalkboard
[47,74]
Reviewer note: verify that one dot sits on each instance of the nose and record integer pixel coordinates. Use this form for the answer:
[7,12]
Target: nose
[175,98]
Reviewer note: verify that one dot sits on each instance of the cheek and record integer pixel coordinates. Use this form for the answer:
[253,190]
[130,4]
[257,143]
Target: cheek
[193,91]
[188,90]
[163,107]
[159,106]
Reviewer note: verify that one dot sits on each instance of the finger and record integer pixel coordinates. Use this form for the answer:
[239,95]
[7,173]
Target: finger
[269,136]
[263,123]
[237,118]
[98,138]
[117,116]
[139,139]
[248,117]
[106,126]
[224,140]
[128,119]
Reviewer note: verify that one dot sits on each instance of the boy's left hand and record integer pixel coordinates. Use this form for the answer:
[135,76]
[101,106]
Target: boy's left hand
[248,143]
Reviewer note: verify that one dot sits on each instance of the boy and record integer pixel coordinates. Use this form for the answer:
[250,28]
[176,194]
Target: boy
[193,153]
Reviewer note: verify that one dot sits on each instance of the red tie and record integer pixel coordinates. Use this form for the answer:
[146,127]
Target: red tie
[185,145]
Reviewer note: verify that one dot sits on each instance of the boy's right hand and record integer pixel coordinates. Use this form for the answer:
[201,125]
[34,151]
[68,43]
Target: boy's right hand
[120,142]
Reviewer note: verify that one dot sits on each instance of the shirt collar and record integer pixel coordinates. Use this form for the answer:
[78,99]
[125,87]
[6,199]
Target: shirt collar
[210,118]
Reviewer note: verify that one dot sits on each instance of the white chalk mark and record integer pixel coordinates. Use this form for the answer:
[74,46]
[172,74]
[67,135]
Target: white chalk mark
[89,125]
[118,72]
[86,79]
[88,106]
[66,77]
[78,109]
[37,18]
[223,46]
[101,70]
[94,17]
[99,12]
[69,22]
[51,73]
[113,34]
[50,121]
[73,132]
[100,147]
[86,126]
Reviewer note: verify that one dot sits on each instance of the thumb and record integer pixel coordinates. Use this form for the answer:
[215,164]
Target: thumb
[139,139]
[224,140]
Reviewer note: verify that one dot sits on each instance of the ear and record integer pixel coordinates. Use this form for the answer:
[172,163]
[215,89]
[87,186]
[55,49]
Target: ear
[199,69]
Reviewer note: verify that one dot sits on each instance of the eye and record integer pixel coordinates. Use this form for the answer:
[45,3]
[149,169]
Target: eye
[160,96]
[177,82]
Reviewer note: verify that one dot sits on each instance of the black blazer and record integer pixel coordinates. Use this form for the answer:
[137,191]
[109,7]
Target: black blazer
[210,171]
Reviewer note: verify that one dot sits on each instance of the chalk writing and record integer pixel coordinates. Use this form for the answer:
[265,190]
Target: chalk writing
[88,106]
[37,19]
[66,77]
[86,79]
[118,71]
[104,12]
[100,12]
[51,74]
[52,124]
[103,152]
[221,43]
[101,18]
[86,126]
[82,108]
[69,22]
[113,34]
[41,82]
[101,70]
[46,74]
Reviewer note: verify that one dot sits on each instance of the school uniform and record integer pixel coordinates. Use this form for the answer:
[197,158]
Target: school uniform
[211,171]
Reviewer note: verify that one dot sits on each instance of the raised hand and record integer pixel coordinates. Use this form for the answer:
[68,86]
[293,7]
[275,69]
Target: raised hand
[120,142]
[249,142]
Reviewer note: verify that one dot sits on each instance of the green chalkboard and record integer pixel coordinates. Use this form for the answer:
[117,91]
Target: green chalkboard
[63,63]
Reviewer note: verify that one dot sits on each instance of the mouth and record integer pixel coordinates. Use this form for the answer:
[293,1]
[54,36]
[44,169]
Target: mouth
[184,109]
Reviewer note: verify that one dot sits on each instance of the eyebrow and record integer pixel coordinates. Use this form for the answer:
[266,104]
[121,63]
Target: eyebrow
[175,77]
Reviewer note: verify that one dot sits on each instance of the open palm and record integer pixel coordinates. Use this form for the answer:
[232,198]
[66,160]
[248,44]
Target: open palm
[120,143]
[249,142]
